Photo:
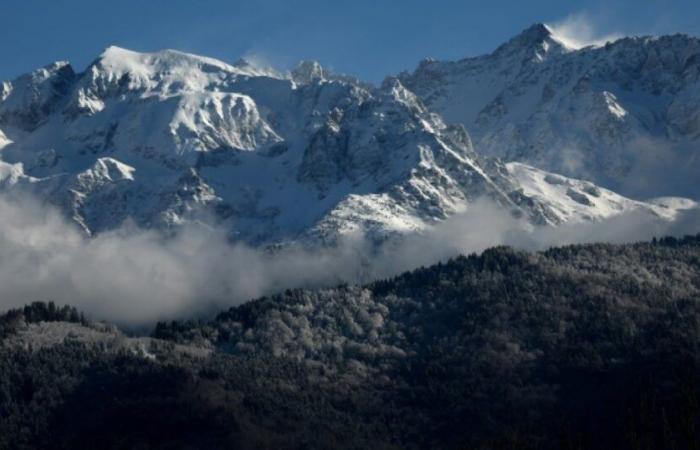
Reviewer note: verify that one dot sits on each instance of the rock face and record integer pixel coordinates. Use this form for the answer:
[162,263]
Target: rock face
[166,138]
[624,115]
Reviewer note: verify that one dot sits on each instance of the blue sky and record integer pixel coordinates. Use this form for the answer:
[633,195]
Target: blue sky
[367,38]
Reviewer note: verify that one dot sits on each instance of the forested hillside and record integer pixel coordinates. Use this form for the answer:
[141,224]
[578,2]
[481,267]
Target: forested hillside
[586,346]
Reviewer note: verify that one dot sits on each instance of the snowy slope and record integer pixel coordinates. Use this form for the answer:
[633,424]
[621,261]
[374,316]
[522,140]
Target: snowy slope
[625,115]
[576,201]
[166,138]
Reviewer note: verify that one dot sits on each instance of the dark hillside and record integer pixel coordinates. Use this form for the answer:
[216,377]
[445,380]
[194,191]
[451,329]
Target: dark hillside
[585,346]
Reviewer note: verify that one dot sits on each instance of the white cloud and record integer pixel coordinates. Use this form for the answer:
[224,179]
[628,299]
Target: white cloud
[578,31]
[136,276]
[259,60]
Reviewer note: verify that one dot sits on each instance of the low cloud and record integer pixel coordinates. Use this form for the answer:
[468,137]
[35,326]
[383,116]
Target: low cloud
[136,277]
[485,225]
[578,31]
[659,166]
[642,167]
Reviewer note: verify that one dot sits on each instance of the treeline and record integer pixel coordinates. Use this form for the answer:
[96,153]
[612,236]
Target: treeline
[37,312]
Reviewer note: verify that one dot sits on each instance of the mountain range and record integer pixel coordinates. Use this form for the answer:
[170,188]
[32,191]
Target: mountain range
[545,131]
[624,115]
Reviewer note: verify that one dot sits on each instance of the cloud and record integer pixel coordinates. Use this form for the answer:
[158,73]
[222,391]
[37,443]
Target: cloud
[655,165]
[260,59]
[486,225]
[578,31]
[135,277]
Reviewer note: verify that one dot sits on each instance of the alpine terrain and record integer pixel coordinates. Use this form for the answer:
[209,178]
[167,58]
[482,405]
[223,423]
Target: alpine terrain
[625,115]
[167,138]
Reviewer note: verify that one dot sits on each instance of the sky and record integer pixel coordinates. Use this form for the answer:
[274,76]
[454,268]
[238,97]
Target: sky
[366,38]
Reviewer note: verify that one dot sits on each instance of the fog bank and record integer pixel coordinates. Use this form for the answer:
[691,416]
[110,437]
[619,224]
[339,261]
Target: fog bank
[133,276]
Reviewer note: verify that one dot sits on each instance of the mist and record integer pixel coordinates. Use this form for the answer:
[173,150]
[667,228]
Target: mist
[579,30]
[135,277]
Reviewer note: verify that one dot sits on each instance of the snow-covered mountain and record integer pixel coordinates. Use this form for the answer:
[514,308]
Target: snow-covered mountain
[625,115]
[162,138]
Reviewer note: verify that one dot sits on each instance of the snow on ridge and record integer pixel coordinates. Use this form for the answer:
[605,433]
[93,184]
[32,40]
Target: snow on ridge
[4,140]
[610,114]
[158,137]
[112,170]
[125,60]
[223,119]
[576,201]
[167,70]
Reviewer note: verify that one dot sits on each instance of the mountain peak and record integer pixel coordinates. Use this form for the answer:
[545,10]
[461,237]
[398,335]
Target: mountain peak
[307,71]
[537,41]
[114,50]
[167,70]
[122,57]
[536,33]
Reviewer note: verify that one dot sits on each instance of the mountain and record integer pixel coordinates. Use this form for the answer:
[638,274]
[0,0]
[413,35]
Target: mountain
[624,115]
[167,138]
[591,345]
